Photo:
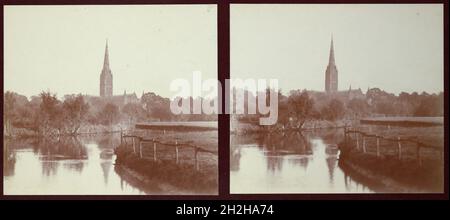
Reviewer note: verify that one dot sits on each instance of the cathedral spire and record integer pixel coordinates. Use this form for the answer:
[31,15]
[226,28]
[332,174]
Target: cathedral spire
[106,77]
[331,74]
[106,61]
[331,60]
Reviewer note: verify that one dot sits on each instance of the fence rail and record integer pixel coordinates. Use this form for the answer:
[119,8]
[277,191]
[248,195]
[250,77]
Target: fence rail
[160,150]
[361,141]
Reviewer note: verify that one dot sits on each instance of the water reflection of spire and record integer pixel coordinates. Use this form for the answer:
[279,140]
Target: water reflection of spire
[331,163]
[106,167]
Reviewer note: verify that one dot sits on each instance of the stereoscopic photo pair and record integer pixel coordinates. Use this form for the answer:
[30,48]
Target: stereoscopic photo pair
[125,99]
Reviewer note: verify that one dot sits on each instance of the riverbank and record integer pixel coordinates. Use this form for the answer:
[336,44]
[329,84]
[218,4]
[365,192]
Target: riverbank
[404,121]
[88,129]
[166,175]
[388,174]
[180,126]
[242,128]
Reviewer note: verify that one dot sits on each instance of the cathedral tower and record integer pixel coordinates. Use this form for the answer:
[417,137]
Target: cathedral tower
[106,78]
[331,74]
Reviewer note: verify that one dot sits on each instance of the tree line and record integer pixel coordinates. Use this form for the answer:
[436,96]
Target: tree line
[299,106]
[45,114]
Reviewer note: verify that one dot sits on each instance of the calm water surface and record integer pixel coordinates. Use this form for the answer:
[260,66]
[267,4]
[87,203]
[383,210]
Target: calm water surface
[290,163]
[83,165]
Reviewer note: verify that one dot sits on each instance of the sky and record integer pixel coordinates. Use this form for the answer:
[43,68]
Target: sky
[393,47]
[61,48]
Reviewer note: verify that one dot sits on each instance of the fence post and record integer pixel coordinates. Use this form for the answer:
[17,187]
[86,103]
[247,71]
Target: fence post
[121,136]
[176,149]
[364,144]
[399,148]
[134,148]
[357,141]
[345,135]
[154,150]
[418,154]
[378,146]
[196,159]
[140,148]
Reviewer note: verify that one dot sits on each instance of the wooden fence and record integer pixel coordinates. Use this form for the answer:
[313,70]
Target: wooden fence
[391,146]
[157,150]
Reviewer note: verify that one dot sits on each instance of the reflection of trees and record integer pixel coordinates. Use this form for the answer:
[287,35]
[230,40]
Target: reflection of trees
[63,148]
[274,163]
[10,146]
[235,147]
[275,146]
[9,159]
[76,166]
[288,143]
[302,162]
[49,168]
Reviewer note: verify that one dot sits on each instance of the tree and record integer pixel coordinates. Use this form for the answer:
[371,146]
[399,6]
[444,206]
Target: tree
[133,111]
[9,111]
[161,112]
[75,112]
[430,106]
[300,106]
[334,110]
[51,115]
[283,109]
[359,107]
[109,114]
[156,106]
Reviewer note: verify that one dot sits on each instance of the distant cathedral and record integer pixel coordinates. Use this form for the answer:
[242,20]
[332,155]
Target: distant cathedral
[106,85]
[331,74]
[106,77]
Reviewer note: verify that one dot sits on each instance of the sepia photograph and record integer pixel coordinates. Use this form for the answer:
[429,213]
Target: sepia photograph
[88,100]
[224,101]
[358,92]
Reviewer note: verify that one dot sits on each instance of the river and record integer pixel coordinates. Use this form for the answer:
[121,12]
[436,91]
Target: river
[296,162]
[71,166]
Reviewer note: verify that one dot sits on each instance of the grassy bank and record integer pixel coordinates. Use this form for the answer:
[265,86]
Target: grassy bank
[404,121]
[388,172]
[207,140]
[239,128]
[87,129]
[167,174]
